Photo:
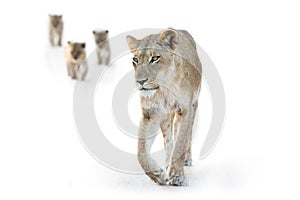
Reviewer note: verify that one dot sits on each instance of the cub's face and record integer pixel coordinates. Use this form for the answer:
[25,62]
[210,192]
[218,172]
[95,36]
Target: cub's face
[100,35]
[153,61]
[76,49]
[55,20]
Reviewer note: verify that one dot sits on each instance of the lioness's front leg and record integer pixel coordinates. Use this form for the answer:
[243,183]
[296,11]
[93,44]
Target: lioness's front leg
[183,126]
[147,133]
[166,129]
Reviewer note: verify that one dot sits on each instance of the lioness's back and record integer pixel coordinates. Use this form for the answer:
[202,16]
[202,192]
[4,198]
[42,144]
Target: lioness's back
[187,49]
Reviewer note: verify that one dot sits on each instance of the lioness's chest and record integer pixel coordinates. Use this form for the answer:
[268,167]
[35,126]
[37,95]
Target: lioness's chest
[159,103]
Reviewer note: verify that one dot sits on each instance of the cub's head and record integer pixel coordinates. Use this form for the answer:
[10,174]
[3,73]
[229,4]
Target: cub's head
[100,35]
[76,49]
[55,20]
[153,60]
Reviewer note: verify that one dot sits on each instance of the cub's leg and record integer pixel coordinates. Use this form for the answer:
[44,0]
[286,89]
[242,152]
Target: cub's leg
[51,36]
[188,154]
[71,70]
[147,131]
[107,60]
[182,143]
[60,33]
[59,38]
[83,69]
[99,56]
[166,127]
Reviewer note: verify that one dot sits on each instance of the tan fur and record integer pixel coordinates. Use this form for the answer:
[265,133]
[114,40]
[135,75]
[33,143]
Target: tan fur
[76,60]
[55,29]
[169,67]
[102,46]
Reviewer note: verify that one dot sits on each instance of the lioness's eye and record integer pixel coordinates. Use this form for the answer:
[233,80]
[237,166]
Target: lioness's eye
[154,59]
[135,61]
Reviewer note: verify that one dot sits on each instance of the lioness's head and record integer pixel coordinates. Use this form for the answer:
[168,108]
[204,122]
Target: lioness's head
[76,49]
[55,20]
[153,60]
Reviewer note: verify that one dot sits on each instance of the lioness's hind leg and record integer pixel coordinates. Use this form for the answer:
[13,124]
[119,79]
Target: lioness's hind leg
[188,154]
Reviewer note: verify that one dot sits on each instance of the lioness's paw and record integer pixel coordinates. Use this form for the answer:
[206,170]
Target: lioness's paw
[178,181]
[160,177]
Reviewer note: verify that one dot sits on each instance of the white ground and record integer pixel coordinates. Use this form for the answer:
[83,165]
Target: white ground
[255,46]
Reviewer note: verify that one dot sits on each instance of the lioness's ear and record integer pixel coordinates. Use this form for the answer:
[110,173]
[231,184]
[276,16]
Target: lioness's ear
[169,37]
[132,43]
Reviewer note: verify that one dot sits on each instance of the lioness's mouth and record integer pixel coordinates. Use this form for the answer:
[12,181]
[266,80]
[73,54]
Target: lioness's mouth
[150,88]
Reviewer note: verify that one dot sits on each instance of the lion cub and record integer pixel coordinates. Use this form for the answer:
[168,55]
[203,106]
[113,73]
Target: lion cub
[76,60]
[102,45]
[55,29]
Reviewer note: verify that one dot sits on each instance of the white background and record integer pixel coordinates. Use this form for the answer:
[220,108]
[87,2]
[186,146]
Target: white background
[255,46]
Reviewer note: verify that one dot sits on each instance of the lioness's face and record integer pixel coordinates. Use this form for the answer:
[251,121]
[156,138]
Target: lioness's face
[152,66]
[153,61]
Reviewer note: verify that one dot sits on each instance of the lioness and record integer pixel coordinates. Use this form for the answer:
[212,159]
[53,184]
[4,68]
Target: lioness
[168,76]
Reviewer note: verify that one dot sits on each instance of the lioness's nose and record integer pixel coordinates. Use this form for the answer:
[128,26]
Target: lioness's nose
[141,82]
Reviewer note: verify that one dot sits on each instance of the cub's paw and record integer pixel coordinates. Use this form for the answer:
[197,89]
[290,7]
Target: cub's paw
[188,163]
[177,181]
[159,176]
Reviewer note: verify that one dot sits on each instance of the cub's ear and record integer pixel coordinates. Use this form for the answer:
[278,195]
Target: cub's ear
[83,45]
[69,42]
[169,38]
[132,43]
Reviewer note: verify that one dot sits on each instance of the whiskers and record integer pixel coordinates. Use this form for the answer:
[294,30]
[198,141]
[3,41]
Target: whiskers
[147,93]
